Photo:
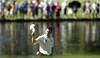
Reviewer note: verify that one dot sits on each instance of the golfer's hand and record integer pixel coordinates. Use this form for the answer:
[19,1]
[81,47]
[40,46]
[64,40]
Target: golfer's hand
[32,34]
[33,39]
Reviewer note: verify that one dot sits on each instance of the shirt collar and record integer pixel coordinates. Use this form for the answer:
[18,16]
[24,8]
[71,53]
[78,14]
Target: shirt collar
[46,36]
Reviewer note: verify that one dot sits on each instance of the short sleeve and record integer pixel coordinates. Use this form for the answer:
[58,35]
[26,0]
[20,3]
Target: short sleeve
[38,39]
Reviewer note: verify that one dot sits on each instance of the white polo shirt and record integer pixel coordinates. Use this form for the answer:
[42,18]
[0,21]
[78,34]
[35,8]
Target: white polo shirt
[64,4]
[45,44]
[94,6]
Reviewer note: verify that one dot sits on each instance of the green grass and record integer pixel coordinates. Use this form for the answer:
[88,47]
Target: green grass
[56,56]
[79,13]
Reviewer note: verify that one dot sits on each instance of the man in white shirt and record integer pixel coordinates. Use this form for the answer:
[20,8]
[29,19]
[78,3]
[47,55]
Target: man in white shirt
[44,6]
[46,42]
[87,4]
[64,7]
[94,7]
[86,8]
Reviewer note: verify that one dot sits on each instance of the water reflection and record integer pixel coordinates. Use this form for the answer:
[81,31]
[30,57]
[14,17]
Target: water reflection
[70,37]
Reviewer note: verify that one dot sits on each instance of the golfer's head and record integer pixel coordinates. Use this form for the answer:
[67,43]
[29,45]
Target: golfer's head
[49,30]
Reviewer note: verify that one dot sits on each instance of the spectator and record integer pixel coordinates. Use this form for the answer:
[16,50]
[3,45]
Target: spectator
[86,8]
[41,6]
[16,9]
[30,8]
[64,7]
[57,10]
[12,7]
[3,3]
[95,9]
[8,8]
[49,11]
[36,8]
[52,6]
[44,8]
[23,8]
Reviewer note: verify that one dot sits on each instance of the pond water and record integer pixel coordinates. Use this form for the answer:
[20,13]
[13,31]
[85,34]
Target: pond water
[69,37]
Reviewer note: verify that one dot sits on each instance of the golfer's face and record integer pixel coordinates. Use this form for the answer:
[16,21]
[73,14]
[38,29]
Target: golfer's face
[48,32]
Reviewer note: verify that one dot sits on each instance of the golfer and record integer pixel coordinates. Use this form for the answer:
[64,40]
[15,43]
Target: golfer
[46,42]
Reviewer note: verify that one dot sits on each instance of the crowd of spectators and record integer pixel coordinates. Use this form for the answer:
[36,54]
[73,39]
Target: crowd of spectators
[47,8]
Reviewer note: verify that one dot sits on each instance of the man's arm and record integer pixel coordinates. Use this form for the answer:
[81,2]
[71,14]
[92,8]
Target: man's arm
[37,40]
[33,39]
